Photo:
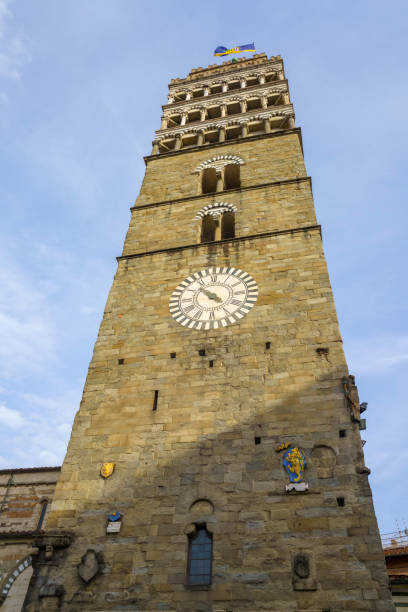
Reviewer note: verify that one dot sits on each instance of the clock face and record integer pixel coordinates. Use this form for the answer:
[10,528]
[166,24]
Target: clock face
[213,298]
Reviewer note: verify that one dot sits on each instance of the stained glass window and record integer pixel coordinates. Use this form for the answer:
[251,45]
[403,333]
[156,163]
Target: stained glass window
[200,557]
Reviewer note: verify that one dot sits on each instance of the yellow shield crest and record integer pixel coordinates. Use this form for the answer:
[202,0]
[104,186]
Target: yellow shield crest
[107,469]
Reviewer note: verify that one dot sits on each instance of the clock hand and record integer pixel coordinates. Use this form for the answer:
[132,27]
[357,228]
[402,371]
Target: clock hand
[211,296]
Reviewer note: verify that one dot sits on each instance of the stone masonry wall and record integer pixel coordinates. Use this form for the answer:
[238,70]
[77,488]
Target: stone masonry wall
[269,159]
[199,444]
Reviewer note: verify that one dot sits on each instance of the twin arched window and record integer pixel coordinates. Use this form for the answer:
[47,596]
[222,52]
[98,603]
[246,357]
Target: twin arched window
[220,227]
[226,178]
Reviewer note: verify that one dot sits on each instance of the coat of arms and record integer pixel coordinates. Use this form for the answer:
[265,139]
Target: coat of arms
[107,469]
[294,462]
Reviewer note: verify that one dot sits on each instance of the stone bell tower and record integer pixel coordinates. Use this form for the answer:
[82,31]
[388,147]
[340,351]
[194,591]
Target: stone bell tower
[215,463]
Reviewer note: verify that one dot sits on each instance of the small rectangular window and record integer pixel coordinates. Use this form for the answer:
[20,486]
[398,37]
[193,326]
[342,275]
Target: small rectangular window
[155,400]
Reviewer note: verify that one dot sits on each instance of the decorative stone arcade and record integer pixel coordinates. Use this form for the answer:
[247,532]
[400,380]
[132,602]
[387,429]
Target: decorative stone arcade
[216,463]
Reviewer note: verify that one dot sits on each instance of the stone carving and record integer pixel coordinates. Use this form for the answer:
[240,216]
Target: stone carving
[51,589]
[89,566]
[301,566]
[324,458]
[351,394]
[304,572]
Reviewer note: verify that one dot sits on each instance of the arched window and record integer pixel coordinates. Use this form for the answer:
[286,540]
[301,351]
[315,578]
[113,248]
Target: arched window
[199,556]
[44,505]
[232,176]
[228,225]
[209,180]
[208,228]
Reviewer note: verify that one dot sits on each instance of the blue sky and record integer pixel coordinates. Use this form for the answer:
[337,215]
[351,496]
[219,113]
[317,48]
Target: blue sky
[81,85]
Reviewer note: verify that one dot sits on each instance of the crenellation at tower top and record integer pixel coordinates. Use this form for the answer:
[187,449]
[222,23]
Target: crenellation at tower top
[213,69]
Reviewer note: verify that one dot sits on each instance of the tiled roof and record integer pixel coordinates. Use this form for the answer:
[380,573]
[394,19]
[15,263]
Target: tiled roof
[32,469]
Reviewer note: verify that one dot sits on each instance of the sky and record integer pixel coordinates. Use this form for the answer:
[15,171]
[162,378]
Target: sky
[81,89]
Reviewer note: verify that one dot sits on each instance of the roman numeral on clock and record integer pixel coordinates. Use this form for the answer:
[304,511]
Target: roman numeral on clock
[236,302]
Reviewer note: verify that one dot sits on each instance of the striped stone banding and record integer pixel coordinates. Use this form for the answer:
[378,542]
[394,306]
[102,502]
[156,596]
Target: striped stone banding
[215,210]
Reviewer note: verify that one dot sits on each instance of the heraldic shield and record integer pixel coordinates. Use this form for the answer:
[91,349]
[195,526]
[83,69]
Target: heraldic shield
[295,463]
[107,469]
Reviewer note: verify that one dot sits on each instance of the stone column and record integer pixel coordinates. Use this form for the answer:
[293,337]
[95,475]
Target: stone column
[243,106]
[220,182]
[223,110]
[188,95]
[163,123]
[183,119]
[291,122]
[221,134]
[261,79]
[200,138]
[244,132]
[170,99]
[224,87]
[264,102]
[267,125]
[155,149]
[285,98]
[177,146]
[281,76]
[242,83]
[206,90]
[203,114]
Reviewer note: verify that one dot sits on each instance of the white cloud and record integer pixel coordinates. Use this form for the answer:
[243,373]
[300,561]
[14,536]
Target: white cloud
[11,418]
[13,50]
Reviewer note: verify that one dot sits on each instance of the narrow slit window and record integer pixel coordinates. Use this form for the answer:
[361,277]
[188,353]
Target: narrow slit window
[156,399]
[200,557]
[44,505]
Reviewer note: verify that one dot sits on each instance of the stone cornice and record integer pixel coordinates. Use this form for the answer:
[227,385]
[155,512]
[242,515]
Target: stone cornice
[222,97]
[227,75]
[284,110]
[214,145]
[221,194]
[295,230]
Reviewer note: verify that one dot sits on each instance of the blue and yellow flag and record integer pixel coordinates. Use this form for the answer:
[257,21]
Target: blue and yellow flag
[225,51]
